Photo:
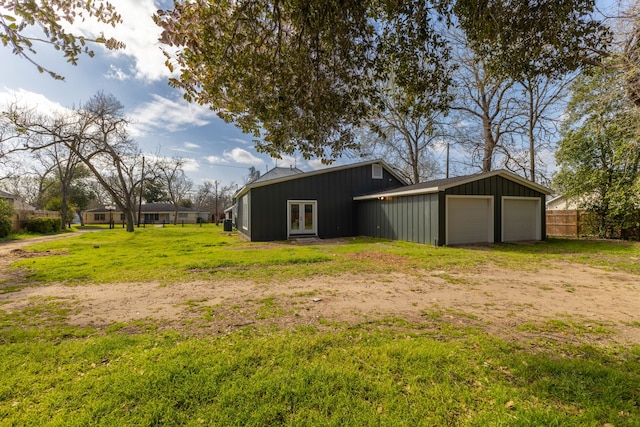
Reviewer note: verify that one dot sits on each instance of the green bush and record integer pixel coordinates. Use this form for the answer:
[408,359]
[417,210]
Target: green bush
[43,225]
[6,218]
[5,227]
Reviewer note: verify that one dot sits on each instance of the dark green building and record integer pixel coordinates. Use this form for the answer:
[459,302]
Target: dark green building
[285,204]
[497,206]
[370,199]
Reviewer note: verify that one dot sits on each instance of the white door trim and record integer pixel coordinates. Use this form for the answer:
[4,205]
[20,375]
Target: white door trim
[314,229]
[538,214]
[490,227]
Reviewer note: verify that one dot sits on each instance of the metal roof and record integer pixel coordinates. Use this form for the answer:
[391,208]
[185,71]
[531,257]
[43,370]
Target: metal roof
[442,184]
[277,173]
[6,195]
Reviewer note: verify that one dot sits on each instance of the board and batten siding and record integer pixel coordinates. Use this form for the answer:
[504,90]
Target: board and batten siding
[333,191]
[421,218]
[498,187]
[410,218]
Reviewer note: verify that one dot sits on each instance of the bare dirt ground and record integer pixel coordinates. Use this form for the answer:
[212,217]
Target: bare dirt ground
[585,304]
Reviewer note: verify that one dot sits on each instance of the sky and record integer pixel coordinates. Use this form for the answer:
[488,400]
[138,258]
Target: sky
[162,121]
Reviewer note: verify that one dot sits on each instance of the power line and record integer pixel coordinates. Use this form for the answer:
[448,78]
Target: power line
[228,166]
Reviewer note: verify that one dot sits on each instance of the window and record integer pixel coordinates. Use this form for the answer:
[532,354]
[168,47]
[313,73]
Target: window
[99,217]
[183,215]
[245,212]
[376,171]
[151,217]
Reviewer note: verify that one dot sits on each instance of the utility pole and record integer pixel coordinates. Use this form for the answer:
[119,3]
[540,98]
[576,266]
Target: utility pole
[447,160]
[141,191]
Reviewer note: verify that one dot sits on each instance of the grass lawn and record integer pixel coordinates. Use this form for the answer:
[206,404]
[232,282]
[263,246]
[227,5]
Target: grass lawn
[187,253]
[386,373]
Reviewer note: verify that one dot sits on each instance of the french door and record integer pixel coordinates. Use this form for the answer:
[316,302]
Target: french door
[302,217]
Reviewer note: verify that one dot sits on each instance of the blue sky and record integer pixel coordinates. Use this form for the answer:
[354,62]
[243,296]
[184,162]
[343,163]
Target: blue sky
[162,121]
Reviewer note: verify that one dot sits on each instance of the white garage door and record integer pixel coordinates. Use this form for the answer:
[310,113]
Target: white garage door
[469,220]
[520,219]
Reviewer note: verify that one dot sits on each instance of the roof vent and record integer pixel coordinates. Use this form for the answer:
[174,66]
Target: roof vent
[376,171]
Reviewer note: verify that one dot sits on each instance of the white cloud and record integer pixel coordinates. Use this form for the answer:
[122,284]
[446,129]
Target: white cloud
[242,156]
[191,165]
[116,73]
[215,159]
[139,33]
[169,115]
[316,164]
[239,141]
[186,147]
[37,101]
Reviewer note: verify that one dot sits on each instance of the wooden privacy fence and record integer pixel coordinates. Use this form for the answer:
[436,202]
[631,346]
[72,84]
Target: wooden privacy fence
[20,217]
[570,223]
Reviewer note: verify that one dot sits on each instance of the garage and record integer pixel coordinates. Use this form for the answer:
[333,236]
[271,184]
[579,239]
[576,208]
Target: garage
[469,219]
[520,219]
[492,207]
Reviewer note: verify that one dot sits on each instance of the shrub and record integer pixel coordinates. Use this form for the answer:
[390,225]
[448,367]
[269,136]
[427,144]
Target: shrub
[42,225]
[6,218]
[5,227]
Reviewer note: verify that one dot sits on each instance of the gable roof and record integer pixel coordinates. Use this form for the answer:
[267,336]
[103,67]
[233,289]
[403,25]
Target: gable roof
[8,196]
[443,184]
[276,173]
[260,183]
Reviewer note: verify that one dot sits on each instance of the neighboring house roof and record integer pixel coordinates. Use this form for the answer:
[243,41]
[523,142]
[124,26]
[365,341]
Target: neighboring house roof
[260,183]
[443,184]
[17,203]
[153,207]
[7,196]
[277,173]
[560,202]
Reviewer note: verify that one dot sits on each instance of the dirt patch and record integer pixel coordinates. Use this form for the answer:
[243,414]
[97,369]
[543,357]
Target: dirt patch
[561,301]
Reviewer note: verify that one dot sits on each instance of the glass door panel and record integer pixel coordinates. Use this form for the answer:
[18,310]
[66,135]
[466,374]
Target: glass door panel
[294,215]
[308,217]
[302,217]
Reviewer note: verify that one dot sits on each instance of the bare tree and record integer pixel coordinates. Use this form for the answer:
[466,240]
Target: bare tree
[10,147]
[30,185]
[95,133]
[404,129]
[542,104]
[486,102]
[170,174]
[253,175]
[214,197]
[505,121]
[106,149]
[63,165]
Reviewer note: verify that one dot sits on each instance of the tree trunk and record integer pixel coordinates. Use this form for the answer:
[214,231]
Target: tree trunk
[129,217]
[489,146]
[63,210]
